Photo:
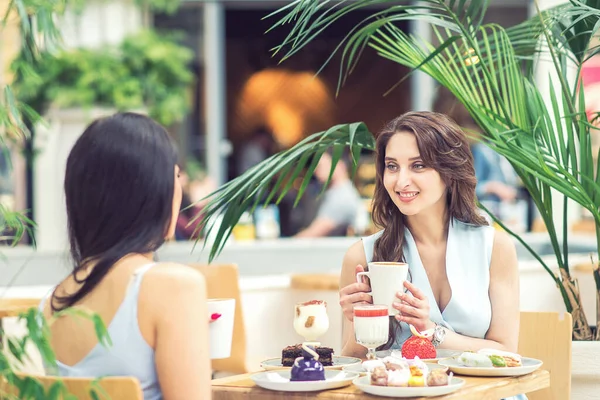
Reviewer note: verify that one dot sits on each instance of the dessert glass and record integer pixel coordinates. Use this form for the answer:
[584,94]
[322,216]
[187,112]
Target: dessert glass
[371,327]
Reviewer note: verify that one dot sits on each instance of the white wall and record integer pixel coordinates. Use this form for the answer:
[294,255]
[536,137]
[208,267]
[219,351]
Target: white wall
[100,22]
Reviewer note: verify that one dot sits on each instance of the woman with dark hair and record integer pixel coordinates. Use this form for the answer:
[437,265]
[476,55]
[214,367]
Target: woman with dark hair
[464,279]
[123,196]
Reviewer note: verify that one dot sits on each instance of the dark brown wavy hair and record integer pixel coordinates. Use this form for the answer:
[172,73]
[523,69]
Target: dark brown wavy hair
[443,146]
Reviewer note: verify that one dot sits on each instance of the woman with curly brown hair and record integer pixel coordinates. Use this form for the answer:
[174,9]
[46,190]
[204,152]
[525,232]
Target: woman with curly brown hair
[463,279]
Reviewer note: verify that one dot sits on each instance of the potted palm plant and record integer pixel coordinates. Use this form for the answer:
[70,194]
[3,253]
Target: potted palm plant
[490,70]
[36,22]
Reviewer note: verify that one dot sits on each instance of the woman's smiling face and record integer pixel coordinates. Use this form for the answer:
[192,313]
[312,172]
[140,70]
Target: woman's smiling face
[413,186]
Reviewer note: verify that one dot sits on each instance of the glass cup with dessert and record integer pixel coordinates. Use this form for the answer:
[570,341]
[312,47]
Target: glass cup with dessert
[311,322]
[371,327]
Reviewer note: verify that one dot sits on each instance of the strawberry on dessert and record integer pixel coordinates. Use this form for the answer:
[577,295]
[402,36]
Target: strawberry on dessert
[418,345]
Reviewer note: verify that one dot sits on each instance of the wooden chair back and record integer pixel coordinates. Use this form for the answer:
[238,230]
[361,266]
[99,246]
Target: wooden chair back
[114,388]
[547,336]
[222,281]
[12,307]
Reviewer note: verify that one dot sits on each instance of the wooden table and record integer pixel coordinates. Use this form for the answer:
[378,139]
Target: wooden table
[242,387]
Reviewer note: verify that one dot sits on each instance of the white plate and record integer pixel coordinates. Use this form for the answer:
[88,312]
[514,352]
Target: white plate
[280,380]
[364,384]
[529,365]
[361,370]
[338,363]
[441,354]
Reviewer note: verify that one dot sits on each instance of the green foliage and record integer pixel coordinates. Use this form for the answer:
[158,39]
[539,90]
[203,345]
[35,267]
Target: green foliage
[489,69]
[38,328]
[13,225]
[36,19]
[274,177]
[166,6]
[146,70]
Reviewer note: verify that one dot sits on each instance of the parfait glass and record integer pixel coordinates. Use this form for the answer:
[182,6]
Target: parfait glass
[311,322]
[371,327]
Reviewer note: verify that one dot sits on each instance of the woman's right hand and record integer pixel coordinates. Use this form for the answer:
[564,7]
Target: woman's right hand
[353,294]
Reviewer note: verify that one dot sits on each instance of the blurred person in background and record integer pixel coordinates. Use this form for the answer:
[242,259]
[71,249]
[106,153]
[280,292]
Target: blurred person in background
[123,196]
[496,179]
[259,146]
[194,191]
[341,202]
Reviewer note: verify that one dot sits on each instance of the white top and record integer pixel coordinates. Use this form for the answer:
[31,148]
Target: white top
[468,257]
[129,354]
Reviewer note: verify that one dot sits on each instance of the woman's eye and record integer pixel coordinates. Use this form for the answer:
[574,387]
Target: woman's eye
[418,166]
[391,167]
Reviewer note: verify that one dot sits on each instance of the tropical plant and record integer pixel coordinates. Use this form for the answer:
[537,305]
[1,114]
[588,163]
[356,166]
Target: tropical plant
[14,224]
[146,70]
[36,21]
[490,70]
[23,387]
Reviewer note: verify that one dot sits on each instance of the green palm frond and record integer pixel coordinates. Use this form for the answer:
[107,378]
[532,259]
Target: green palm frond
[13,225]
[489,69]
[274,177]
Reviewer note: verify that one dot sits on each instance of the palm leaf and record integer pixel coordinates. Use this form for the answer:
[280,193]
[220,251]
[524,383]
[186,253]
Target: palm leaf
[278,172]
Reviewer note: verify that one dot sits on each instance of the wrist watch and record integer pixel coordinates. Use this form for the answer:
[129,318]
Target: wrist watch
[439,334]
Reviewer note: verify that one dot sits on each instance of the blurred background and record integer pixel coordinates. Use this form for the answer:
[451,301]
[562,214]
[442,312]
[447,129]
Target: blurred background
[207,72]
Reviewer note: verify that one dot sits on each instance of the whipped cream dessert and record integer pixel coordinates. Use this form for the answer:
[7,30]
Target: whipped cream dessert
[311,320]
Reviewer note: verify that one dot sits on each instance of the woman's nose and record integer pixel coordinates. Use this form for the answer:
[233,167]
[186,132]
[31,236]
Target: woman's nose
[403,179]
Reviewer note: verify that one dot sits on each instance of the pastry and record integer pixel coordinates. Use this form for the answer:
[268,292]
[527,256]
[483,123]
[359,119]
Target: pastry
[501,358]
[419,345]
[470,359]
[437,377]
[291,353]
[488,358]
[379,377]
[308,367]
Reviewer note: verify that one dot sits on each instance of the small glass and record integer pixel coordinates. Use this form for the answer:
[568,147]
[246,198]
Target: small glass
[371,327]
[310,319]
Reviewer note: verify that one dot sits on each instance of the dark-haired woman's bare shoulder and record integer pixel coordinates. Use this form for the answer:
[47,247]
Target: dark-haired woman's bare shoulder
[170,277]
[170,292]
[176,272]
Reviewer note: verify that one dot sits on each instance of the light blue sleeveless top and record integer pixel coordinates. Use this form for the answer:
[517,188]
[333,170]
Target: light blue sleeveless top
[468,258]
[129,354]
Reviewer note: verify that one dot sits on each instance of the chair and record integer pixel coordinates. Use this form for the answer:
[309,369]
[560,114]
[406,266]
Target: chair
[547,336]
[116,388]
[12,307]
[315,282]
[222,281]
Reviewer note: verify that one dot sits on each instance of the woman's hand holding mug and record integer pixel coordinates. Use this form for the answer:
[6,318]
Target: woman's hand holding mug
[353,294]
[413,307]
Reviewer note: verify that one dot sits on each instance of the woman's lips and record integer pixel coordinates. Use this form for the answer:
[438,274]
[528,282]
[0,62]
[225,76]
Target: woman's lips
[407,197]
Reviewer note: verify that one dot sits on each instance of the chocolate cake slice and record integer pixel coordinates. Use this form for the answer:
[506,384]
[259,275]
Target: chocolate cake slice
[290,353]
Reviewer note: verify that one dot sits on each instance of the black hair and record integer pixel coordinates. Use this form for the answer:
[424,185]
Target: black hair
[119,187]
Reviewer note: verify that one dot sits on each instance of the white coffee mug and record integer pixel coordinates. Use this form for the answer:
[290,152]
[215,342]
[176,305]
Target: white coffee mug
[387,279]
[221,330]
